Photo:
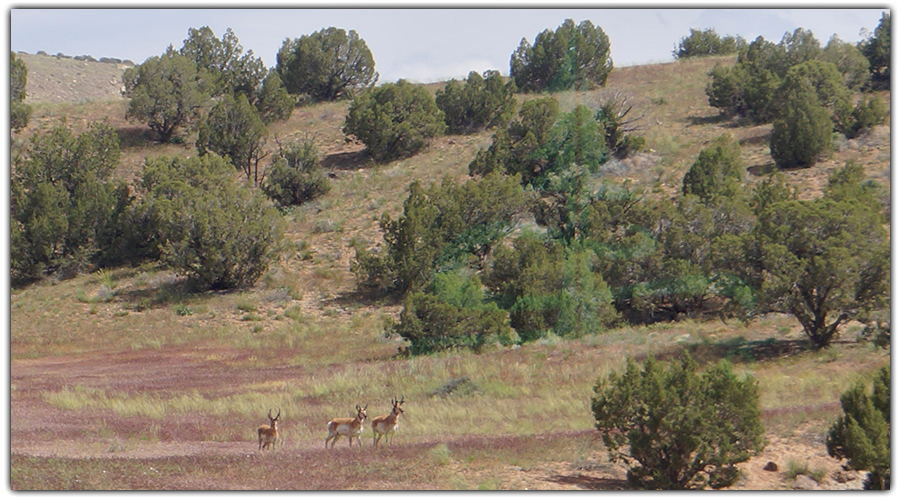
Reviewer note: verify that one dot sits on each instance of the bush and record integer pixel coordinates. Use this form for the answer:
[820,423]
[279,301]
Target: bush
[224,61]
[862,435]
[706,43]
[824,261]
[452,316]
[803,130]
[19,112]
[618,129]
[327,65]
[167,92]
[869,112]
[296,176]
[548,288]
[572,57]
[443,227]
[515,149]
[482,102]
[877,50]
[235,130]
[685,430]
[219,233]
[65,211]
[718,171]
[394,120]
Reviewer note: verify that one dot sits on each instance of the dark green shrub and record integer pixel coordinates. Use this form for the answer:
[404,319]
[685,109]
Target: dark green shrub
[443,227]
[851,63]
[19,112]
[548,288]
[272,100]
[572,57]
[167,92]
[718,171]
[295,175]
[65,210]
[803,130]
[825,261]
[869,112]
[394,120]
[452,315]
[327,65]
[706,43]
[482,102]
[685,430]
[219,233]
[224,61]
[877,50]
[862,435]
[235,130]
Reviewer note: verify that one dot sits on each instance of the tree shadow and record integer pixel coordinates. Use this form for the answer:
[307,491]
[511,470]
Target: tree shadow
[586,482]
[352,160]
[135,137]
[762,169]
[748,351]
[708,120]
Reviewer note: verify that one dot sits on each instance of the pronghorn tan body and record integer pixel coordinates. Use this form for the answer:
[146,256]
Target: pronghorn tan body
[268,434]
[350,427]
[385,425]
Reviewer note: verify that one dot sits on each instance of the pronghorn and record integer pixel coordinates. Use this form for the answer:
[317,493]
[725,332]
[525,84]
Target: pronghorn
[268,434]
[350,427]
[385,425]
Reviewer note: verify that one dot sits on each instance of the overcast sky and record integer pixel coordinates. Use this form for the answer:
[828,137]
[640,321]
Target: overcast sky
[418,44]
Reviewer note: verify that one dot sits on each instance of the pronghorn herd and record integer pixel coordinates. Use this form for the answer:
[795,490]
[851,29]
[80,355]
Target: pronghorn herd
[382,426]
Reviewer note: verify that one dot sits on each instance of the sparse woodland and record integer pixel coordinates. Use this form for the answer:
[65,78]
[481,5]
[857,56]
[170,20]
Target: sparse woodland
[579,276]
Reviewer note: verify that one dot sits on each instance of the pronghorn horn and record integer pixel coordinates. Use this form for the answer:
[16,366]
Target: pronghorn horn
[270,413]
[279,414]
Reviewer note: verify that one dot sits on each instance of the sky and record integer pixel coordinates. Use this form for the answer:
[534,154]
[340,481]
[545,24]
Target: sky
[418,44]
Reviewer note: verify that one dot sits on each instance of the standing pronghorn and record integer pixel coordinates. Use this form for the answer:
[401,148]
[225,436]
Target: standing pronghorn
[385,425]
[350,427]
[268,434]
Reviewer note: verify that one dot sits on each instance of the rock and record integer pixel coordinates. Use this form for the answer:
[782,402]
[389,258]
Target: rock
[846,476]
[771,467]
[804,482]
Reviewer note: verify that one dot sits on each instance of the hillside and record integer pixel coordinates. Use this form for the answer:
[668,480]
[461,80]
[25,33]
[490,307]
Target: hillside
[122,379]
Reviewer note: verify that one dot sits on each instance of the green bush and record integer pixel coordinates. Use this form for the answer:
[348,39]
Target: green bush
[862,435]
[66,212]
[803,130]
[877,50]
[824,261]
[235,130]
[443,227]
[869,112]
[482,102]
[718,171]
[167,92]
[394,120]
[548,288]
[706,43]
[685,430]
[219,233]
[326,65]
[295,175]
[572,57]
[224,61]
[454,315]
[19,112]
